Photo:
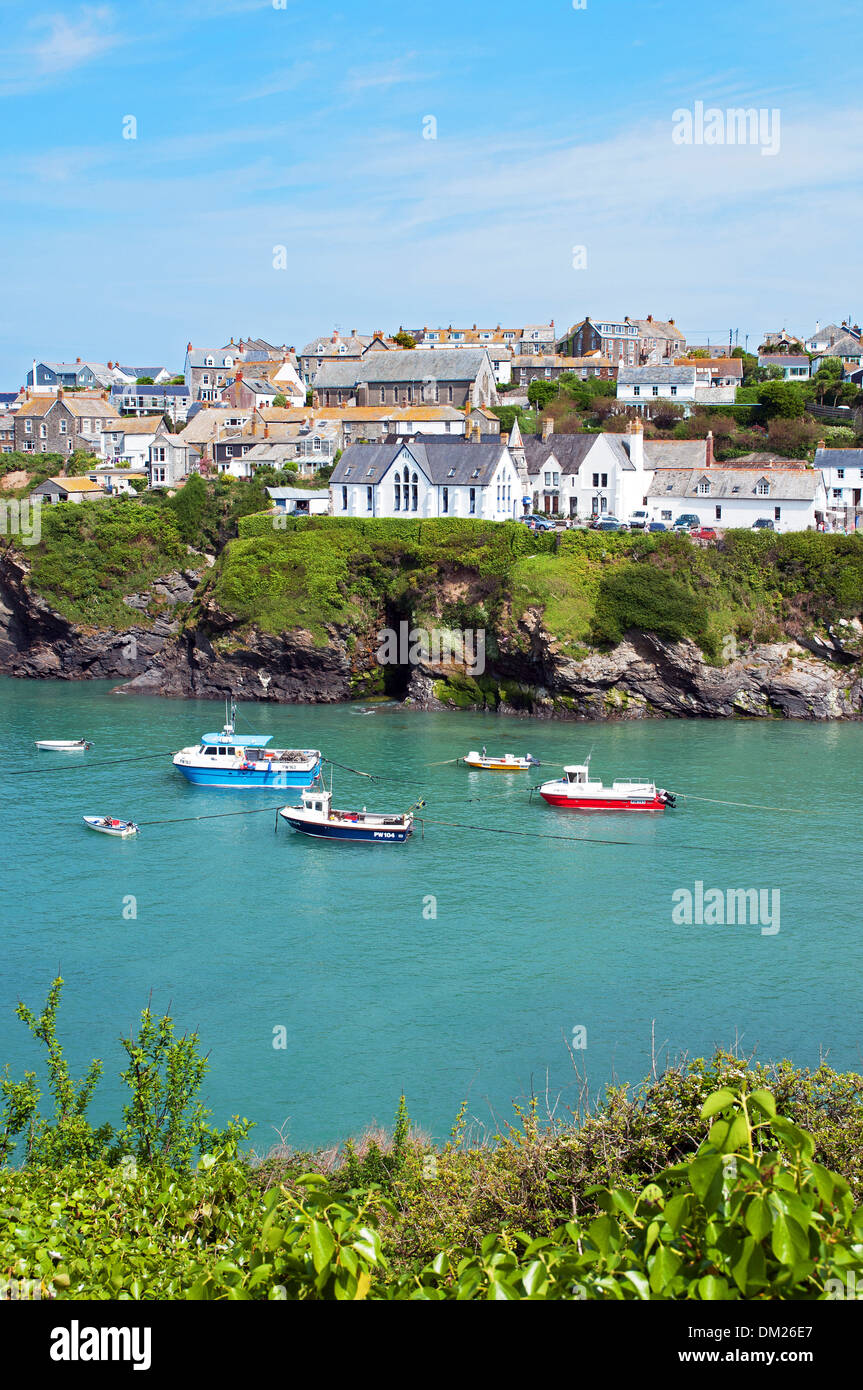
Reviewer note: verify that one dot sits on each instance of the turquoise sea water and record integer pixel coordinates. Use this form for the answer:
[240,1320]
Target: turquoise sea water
[242,931]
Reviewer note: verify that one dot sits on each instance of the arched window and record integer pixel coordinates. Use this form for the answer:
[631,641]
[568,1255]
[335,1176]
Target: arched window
[415,494]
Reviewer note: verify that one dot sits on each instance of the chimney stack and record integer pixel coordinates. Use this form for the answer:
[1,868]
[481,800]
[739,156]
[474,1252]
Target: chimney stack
[636,443]
[547,426]
[188,347]
[708,450]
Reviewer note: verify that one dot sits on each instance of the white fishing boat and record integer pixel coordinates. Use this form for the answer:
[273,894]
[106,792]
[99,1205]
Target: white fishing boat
[504,762]
[317,817]
[63,745]
[109,825]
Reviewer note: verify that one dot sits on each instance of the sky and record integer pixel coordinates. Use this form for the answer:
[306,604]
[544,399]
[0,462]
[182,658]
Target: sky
[297,168]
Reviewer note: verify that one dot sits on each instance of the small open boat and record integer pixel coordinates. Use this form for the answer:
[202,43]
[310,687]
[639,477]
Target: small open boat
[316,817]
[577,791]
[507,762]
[108,825]
[63,745]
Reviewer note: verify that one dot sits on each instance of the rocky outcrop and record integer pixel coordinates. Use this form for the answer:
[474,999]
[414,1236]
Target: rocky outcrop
[644,677]
[175,651]
[37,641]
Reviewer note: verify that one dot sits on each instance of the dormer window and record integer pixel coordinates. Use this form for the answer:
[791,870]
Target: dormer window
[763,488]
[704,487]
[229,361]
[208,362]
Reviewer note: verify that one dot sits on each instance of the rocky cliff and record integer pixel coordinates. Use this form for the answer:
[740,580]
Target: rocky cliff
[185,647]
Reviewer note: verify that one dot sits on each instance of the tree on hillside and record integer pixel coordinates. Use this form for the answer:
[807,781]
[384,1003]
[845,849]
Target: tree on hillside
[189,507]
[280,401]
[404,340]
[145,381]
[828,379]
[781,398]
[540,392]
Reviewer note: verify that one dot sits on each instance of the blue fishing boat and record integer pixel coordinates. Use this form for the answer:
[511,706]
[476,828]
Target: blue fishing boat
[242,761]
[317,817]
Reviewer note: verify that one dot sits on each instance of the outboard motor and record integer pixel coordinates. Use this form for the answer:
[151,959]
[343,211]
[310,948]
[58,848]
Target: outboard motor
[668,799]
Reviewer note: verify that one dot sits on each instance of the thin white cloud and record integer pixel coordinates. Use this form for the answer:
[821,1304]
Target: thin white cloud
[54,45]
[68,43]
[384,75]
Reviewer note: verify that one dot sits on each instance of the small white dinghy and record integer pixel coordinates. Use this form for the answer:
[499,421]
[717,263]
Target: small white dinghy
[107,825]
[64,745]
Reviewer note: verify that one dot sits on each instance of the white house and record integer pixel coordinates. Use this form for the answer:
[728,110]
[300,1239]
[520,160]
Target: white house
[586,475]
[170,459]
[288,384]
[128,440]
[842,471]
[425,477]
[792,498]
[690,385]
[638,386]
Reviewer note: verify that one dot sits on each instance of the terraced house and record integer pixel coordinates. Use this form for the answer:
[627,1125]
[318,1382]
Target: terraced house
[61,424]
[439,376]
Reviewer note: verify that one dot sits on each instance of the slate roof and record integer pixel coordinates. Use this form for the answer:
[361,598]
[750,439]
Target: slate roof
[783,359]
[786,484]
[675,453]
[839,458]
[297,494]
[571,450]
[444,461]
[198,357]
[414,365]
[846,346]
[319,347]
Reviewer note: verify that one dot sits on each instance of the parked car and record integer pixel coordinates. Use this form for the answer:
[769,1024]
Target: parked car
[657,526]
[609,523]
[639,519]
[687,522]
[704,533]
[763,524]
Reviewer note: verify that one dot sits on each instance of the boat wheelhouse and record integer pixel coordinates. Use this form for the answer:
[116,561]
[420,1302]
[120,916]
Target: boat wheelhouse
[317,817]
[577,791]
[242,761]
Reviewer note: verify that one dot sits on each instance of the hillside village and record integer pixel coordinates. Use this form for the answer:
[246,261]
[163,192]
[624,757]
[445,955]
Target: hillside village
[612,423]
